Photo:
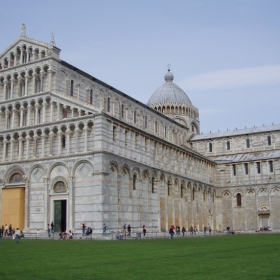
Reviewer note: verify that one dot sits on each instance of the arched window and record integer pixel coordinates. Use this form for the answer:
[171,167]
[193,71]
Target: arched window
[238,199]
[193,128]
[108,104]
[193,194]
[114,133]
[90,97]
[72,88]
[182,191]
[228,145]
[269,140]
[247,143]
[168,187]
[134,182]
[153,185]
[145,122]
[135,117]
[210,147]
[63,141]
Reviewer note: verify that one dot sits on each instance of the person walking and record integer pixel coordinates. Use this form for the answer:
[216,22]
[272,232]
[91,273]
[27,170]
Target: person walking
[6,230]
[144,230]
[183,230]
[204,230]
[191,230]
[17,233]
[210,229]
[129,230]
[52,226]
[171,232]
[49,231]
[104,229]
[124,229]
[83,228]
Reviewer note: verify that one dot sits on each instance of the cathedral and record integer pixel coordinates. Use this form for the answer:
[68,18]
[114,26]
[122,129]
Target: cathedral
[75,150]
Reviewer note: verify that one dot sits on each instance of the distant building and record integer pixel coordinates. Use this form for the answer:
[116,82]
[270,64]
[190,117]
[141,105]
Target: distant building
[75,150]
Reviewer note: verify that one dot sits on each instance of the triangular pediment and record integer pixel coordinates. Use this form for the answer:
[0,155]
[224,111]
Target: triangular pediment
[26,49]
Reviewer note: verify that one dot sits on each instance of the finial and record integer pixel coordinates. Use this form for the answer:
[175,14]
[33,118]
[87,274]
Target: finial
[52,40]
[23,30]
[168,67]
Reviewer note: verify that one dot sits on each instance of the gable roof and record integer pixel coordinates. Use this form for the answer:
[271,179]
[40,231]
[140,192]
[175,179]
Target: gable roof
[237,132]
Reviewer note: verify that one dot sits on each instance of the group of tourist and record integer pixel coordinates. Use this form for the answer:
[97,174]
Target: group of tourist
[126,231]
[176,229]
[86,230]
[66,235]
[262,229]
[6,230]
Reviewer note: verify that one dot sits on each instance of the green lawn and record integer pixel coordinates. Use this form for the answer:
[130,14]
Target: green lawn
[217,257]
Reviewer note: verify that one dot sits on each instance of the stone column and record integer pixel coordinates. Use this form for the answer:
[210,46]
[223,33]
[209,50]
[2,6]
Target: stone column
[28,115]
[85,135]
[35,138]
[2,122]
[12,87]
[72,111]
[67,134]
[58,111]
[64,110]
[21,116]
[27,146]
[36,113]
[43,137]
[50,79]
[21,55]
[26,216]
[44,111]
[59,133]
[5,149]
[51,111]
[34,82]
[26,86]
[5,89]
[51,142]
[13,117]
[20,139]
[46,202]
[12,148]
[41,81]
[33,55]
[7,113]
[71,216]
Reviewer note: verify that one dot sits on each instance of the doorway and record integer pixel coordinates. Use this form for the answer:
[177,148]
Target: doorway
[60,214]
[264,221]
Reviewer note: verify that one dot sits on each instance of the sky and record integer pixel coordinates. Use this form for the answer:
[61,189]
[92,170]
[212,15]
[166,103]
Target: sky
[224,54]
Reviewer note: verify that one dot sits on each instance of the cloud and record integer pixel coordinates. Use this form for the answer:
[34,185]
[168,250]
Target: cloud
[232,78]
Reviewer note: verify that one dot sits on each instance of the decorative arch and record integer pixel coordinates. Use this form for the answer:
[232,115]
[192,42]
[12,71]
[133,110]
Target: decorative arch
[15,173]
[84,167]
[52,166]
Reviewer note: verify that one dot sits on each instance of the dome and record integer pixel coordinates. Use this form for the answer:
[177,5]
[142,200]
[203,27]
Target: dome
[169,92]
